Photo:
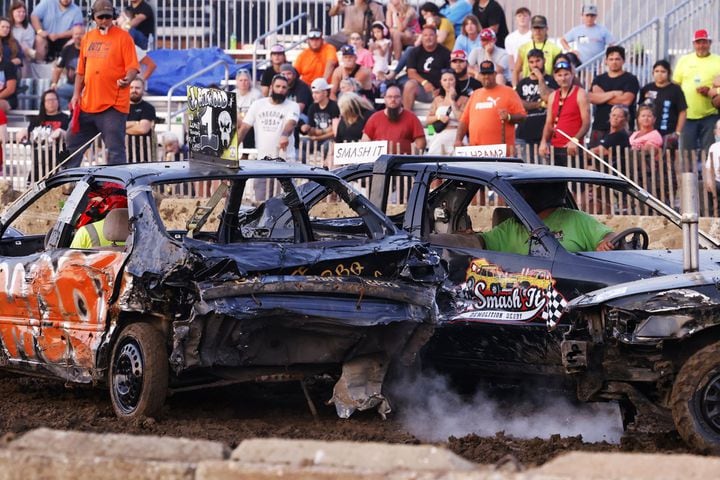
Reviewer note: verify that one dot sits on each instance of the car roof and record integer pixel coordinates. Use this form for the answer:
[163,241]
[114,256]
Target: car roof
[153,172]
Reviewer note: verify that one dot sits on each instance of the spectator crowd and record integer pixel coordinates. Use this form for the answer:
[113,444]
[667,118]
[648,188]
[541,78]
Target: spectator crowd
[480,82]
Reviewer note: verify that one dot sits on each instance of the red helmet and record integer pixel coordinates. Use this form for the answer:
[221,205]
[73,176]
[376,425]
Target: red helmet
[103,198]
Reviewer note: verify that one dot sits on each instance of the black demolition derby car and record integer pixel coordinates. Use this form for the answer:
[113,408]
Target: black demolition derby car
[222,292]
[652,344]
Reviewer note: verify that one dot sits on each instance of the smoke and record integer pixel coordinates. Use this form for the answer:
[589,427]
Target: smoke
[432,411]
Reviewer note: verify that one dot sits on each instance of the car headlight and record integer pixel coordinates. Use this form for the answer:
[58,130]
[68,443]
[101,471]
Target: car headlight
[662,326]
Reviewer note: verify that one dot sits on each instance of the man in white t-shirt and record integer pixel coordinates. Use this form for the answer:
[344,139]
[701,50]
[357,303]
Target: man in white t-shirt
[274,119]
[520,36]
[713,159]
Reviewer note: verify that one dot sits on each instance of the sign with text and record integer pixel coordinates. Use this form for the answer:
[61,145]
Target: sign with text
[359,152]
[212,131]
[499,150]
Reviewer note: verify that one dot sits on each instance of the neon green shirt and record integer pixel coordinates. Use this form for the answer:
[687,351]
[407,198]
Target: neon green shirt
[575,230]
[691,72]
[549,48]
[83,239]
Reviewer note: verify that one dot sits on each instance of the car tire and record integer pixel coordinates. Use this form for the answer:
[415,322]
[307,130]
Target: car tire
[139,372]
[695,400]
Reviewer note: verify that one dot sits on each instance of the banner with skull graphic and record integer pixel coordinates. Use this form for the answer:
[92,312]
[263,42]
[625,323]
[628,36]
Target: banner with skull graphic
[212,133]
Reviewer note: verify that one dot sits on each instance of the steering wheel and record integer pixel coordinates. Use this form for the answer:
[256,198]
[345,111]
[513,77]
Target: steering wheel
[634,238]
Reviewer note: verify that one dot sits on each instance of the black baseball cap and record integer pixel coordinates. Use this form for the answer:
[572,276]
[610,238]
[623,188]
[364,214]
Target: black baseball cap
[487,67]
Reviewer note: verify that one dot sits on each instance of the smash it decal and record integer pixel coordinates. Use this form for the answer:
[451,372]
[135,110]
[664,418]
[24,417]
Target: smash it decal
[491,294]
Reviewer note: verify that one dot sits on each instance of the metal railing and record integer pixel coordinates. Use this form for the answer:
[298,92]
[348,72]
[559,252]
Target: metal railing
[184,81]
[272,33]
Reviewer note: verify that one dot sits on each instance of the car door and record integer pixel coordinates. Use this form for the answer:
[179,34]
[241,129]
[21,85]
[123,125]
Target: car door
[68,291]
[494,311]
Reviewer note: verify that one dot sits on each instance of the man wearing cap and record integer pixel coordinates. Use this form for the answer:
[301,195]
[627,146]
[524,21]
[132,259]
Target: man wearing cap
[491,113]
[491,15]
[106,66]
[490,51]
[320,114]
[318,60]
[520,36]
[534,91]
[589,38]
[277,58]
[465,84]
[396,124]
[299,92]
[349,68]
[569,111]
[424,67]
[694,73]
[274,119]
[539,41]
[614,87]
[358,16]
[53,21]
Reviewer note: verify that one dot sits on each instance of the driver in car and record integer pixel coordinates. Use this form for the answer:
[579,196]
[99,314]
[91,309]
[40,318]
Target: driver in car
[103,198]
[575,230]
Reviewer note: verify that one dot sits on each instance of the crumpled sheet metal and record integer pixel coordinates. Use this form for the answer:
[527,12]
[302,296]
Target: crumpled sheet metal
[360,386]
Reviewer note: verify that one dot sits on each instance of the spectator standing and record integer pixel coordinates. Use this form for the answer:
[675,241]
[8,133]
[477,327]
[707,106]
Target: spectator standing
[490,51]
[106,67]
[319,59]
[614,87]
[469,37]
[589,38]
[402,20]
[456,11]
[520,36]
[53,21]
[277,58]
[354,114]
[646,137]
[321,115]
[425,63]
[713,160]
[694,73]
[492,15]
[465,84]
[491,113]
[539,41]
[618,137]
[430,15]
[67,62]
[46,132]
[534,91]
[8,85]
[668,102]
[23,33]
[358,16]
[396,124]
[364,56]
[245,95]
[141,25]
[442,119]
[10,47]
[349,68]
[298,92]
[381,47]
[274,119]
[569,111]
[140,124]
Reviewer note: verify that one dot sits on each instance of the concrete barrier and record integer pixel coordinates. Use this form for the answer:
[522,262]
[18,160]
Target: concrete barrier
[52,454]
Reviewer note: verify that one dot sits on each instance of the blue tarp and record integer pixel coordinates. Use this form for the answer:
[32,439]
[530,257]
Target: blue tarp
[174,65]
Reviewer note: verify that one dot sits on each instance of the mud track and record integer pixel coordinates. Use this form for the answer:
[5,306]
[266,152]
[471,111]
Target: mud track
[232,414]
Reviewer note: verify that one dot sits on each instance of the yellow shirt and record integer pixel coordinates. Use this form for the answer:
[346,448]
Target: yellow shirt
[447,26]
[691,72]
[83,239]
[550,49]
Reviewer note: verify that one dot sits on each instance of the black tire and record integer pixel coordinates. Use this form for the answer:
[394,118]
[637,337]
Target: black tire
[138,376]
[695,400]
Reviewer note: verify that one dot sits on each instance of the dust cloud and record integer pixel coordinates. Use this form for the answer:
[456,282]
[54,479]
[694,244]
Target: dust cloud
[432,411]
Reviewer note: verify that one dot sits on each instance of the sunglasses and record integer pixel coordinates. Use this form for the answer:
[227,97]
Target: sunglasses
[103,17]
[564,65]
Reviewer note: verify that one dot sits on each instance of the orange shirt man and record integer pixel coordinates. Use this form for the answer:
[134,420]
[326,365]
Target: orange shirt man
[318,60]
[491,113]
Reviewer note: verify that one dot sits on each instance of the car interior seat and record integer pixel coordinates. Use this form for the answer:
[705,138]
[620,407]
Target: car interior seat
[116,228]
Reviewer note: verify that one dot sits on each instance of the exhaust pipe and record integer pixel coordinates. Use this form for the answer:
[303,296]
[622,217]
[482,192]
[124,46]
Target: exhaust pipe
[689,206]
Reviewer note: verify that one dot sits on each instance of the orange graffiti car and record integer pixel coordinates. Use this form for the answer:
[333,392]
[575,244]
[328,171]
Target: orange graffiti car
[100,284]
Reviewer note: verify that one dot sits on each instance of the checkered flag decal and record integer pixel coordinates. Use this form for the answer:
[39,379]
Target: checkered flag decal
[554,307]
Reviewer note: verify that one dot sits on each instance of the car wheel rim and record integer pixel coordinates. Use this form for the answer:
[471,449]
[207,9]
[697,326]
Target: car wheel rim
[711,402]
[128,377]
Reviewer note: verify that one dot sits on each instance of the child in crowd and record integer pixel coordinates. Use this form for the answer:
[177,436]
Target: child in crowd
[380,46]
[364,57]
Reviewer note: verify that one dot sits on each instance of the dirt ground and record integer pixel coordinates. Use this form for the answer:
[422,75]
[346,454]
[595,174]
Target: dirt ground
[232,414]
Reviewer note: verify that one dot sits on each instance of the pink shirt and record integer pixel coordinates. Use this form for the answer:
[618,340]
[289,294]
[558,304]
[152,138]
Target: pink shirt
[639,140]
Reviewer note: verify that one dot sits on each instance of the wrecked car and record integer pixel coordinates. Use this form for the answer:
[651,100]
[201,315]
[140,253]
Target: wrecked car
[654,346]
[219,289]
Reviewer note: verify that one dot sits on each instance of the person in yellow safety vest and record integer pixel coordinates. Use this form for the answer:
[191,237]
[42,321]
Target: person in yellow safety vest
[91,236]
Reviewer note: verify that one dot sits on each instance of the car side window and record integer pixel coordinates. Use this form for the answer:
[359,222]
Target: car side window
[185,206]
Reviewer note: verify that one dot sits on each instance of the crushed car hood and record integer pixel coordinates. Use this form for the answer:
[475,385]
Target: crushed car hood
[675,282]
[659,262]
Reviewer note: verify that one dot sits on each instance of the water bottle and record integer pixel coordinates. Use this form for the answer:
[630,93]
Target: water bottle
[430,130]
[233,42]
